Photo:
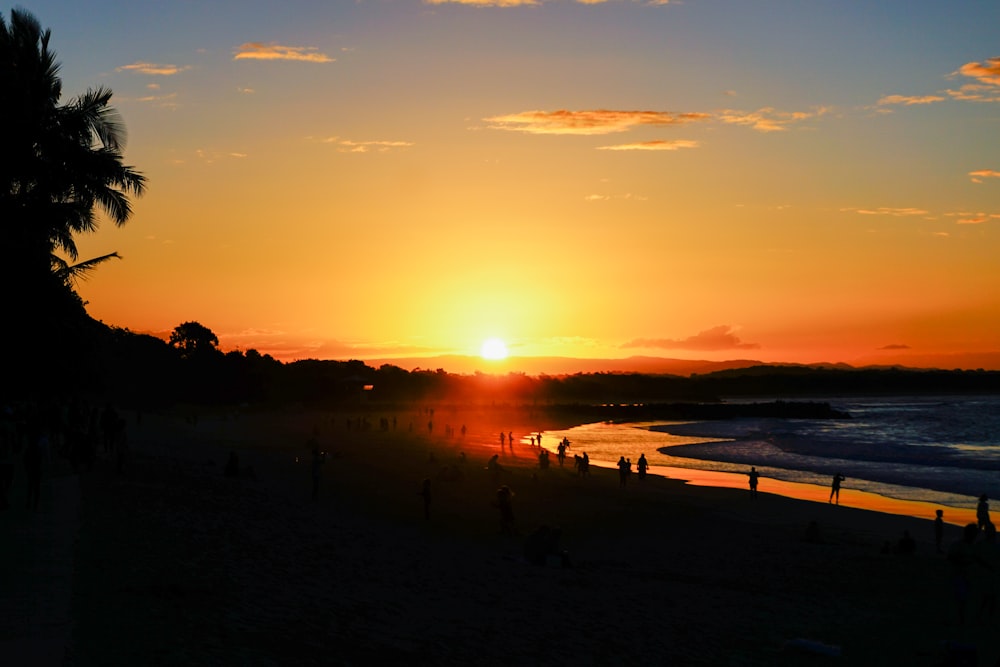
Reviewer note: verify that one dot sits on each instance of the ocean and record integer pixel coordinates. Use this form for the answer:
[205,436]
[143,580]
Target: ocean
[939,450]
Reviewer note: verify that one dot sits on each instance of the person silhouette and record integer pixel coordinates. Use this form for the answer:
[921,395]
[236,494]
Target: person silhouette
[643,465]
[983,512]
[754,476]
[938,530]
[623,470]
[835,487]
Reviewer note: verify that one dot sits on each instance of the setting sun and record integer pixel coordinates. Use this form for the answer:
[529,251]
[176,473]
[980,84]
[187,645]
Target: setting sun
[493,348]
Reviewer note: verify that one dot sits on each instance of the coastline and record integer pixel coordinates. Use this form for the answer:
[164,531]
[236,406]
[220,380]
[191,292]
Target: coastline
[175,562]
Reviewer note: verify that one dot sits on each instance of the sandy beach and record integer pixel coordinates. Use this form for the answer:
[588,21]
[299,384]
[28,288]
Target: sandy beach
[175,563]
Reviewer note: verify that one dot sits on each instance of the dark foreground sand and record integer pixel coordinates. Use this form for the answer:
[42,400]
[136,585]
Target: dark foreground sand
[178,565]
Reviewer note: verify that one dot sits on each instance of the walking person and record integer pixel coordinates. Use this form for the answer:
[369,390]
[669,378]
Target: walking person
[835,487]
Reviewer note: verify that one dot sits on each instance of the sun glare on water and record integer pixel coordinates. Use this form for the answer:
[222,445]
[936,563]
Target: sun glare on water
[493,348]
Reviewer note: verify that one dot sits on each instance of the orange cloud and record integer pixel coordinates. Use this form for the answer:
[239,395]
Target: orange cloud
[153,69]
[972,217]
[350,146]
[486,3]
[768,119]
[887,210]
[910,100]
[975,92]
[988,72]
[598,121]
[258,51]
[978,175]
[526,3]
[656,145]
[721,337]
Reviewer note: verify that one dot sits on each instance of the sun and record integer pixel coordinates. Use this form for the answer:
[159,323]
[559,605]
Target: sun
[493,348]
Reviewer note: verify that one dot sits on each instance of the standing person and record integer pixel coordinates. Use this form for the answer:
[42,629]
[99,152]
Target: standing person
[938,530]
[643,466]
[503,440]
[623,470]
[983,512]
[835,487]
[754,476]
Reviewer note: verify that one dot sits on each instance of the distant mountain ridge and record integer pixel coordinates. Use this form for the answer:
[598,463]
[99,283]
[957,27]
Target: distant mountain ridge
[462,364]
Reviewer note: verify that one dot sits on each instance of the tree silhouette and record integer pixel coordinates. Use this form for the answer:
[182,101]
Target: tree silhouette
[60,165]
[194,339]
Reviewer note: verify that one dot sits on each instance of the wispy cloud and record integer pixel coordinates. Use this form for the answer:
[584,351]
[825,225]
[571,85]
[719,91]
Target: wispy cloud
[168,100]
[721,337]
[628,196]
[895,346]
[976,92]
[259,51]
[987,72]
[972,217]
[887,210]
[486,3]
[910,100]
[352,146]
[980,174]
[533,3]
[153,69]
[590,122]
[769,119]
[655,145]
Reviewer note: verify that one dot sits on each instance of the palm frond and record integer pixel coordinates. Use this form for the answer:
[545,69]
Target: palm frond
[81,270]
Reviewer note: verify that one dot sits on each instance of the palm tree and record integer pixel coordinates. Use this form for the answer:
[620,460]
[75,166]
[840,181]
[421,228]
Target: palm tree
[60,166]
[60,162]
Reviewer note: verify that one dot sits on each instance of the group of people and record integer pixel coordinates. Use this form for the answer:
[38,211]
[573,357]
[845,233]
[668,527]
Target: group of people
[975,565]
[33,433]
[625,469]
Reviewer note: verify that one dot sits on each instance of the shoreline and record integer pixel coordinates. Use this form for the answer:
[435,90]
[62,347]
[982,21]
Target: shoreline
[178,564]
[707,432]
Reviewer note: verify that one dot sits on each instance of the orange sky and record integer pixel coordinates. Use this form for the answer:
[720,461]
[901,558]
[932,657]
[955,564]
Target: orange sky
[603,179]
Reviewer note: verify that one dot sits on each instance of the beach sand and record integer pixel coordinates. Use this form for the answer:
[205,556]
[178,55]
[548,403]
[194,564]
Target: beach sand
[177,564]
